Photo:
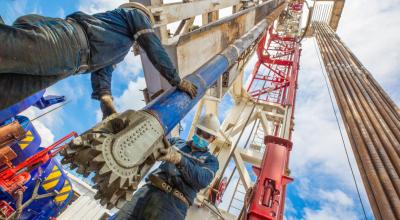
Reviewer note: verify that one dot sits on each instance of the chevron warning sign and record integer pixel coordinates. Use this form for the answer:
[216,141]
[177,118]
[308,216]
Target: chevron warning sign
[27,140]
[64,193]
[52,179]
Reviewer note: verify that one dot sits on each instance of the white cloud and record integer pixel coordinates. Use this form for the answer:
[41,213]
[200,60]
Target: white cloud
[61,13]
[316,138]
[42,125]
[73,87]
[329,212]
[289,208]
[99,115]
[20,7]
[132,97]
[96,6]
[131,66]
[323,214]
[15,9]
[45,133]
[331,205]
[371,33]
[334,205]
[336,196]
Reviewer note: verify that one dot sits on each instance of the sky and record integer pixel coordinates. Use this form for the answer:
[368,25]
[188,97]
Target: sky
[323,187]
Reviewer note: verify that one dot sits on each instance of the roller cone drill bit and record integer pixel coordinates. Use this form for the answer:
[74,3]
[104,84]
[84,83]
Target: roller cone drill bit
[119,151]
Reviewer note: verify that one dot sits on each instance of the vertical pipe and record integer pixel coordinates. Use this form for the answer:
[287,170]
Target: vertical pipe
[375,87]
[370,176]
[372,122]
[375,124]
[386,128]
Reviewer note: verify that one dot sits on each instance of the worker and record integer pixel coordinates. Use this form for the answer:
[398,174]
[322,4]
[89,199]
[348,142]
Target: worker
[37,51]
[172,188]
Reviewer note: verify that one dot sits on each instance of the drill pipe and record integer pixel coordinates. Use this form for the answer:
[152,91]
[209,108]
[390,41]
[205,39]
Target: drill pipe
[121,149]
[172,106]
[371,119]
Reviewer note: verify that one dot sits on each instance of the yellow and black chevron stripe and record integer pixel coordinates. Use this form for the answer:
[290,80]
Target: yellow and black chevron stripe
[52,179]
[27,140]
[64,193]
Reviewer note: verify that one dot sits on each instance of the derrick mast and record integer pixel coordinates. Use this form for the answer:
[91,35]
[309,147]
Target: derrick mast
[270,98]
[213,56]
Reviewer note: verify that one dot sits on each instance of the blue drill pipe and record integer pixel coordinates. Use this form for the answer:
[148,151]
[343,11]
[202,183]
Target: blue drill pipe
[127,153]
[174,104]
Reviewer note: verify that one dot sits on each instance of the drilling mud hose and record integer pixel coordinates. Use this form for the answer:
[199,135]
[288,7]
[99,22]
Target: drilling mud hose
[119,151]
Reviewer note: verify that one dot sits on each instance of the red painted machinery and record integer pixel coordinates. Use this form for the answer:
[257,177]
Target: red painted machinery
[274,79]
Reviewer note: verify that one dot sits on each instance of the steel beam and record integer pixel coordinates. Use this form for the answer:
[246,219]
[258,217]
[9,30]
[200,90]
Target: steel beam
[171,107]
[336,14]
[211,39]
[251,156]
[170,13]
[241,168]
[208,41]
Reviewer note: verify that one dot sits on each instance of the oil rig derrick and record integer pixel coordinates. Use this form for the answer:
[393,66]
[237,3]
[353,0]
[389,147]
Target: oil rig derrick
[255,140]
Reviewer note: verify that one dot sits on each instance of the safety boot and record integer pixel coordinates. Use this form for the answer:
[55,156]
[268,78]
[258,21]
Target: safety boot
[107,106]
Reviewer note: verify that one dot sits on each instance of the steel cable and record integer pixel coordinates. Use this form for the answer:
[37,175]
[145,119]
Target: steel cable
[53,109]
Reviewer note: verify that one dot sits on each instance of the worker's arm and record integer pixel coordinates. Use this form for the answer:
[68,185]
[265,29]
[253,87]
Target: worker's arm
[149,42]
[101,81]
[199,175]
[159,58]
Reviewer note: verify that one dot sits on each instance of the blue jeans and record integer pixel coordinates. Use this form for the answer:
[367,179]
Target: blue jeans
[150,203]
[101,81]
[37,51]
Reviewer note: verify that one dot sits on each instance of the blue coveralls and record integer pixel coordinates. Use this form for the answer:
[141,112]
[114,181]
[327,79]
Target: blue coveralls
[37,51]
[189,177]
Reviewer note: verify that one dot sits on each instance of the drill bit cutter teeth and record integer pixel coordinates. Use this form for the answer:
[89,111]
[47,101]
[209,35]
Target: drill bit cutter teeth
[119,150]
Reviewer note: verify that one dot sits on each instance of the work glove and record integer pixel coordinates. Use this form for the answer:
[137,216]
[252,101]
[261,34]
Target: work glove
[107,106]
[188,87]
[169,154]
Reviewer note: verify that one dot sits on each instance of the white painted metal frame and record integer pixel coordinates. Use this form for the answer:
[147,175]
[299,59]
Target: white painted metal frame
[189,51]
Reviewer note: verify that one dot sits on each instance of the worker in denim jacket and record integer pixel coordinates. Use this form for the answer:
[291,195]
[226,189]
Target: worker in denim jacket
[171,189]
[37,51]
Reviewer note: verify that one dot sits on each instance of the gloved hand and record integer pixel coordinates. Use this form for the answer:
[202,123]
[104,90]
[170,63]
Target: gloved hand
[169,154]
[107,106]
[188,87]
